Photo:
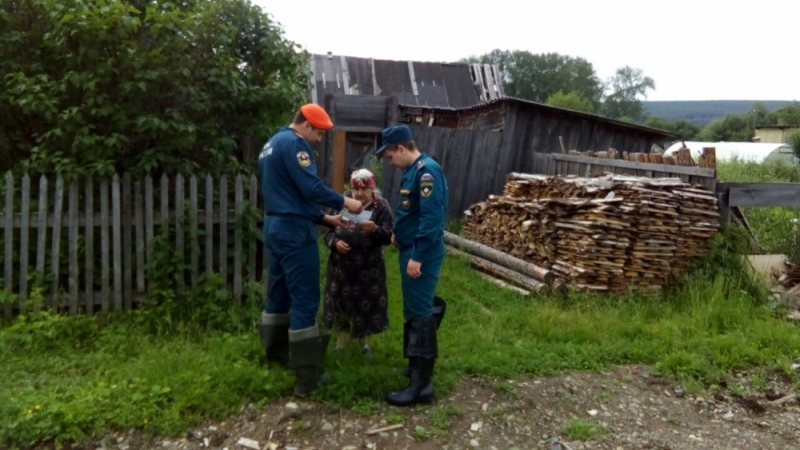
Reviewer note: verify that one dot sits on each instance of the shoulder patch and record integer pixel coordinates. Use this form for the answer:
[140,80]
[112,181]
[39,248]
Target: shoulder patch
[426,188]
[303,158]
[426,177]
[420,164]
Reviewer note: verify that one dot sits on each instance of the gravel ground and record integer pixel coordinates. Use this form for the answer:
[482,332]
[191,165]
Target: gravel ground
[626,408]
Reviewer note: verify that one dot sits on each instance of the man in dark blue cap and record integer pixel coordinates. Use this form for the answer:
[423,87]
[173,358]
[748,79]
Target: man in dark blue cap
[419,235]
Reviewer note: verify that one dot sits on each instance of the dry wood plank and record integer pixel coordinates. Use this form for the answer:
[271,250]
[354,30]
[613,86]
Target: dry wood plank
[180,248]
[209,247]
[116,218]
[24,239]
[223,229]
[105,247]
[8,272]
[251,257]
[140,239]
[56,252]
[41,240]
[127,237]
[195,257]
[339,162]
[88,260]
[72,220]
[149,211]
[237,242]
[164,217]
[638,165]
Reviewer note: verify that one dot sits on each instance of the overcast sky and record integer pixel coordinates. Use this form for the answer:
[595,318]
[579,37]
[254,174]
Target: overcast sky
[694,50]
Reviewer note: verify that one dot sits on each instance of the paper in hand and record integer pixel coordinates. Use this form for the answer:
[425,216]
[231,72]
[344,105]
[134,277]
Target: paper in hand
[357,218]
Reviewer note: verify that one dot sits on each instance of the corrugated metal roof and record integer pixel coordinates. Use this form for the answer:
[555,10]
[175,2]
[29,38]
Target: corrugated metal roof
[430,84]
[528,103]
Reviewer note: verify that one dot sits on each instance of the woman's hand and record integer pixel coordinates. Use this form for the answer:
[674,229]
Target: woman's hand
[368,227]
[342,247]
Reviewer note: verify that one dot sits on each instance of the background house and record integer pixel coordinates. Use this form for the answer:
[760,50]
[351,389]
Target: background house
[479,145]
[459,115]
[361,80]
[774,134]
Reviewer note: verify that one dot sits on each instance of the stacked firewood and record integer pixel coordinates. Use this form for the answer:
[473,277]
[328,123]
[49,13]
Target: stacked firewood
[607,233]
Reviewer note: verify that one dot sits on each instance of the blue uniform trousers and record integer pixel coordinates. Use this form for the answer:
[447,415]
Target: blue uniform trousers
[418,292]
[294,268]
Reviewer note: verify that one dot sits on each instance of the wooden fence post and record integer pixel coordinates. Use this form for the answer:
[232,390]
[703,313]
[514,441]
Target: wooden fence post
[8,273]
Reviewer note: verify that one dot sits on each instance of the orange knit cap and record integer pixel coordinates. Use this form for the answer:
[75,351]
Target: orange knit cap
[316,116]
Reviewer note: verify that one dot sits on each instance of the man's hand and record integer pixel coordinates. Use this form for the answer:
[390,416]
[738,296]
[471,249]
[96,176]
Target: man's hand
[394,240]
[353,205]
[342,247]
[414,269]
[333,221]
[368,227]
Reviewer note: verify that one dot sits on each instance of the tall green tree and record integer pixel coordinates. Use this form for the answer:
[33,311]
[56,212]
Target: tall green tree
[573,100]
[143,85]
[626,86]
[739,127]
[684,129]
[789,115]
[538,76]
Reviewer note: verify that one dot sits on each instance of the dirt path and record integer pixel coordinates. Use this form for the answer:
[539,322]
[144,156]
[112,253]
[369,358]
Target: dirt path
[625,409]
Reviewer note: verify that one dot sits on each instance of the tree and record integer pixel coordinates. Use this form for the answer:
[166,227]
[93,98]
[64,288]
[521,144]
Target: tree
[739,127]
[538,76]
[683,129]
[626,86]
[574,101]
[789,115]
[142,85]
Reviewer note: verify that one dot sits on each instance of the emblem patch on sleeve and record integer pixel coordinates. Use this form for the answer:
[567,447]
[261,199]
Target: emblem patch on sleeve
[303,158]
[426,188]
[426,177]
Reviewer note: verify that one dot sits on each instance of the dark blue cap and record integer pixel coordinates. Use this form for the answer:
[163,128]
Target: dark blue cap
[394,135]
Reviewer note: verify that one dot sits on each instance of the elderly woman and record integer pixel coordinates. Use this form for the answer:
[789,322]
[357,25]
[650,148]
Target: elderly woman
[356,298]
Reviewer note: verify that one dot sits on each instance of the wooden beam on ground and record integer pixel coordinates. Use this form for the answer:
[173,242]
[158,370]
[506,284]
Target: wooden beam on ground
[510,262]
[762,194]
[500,272]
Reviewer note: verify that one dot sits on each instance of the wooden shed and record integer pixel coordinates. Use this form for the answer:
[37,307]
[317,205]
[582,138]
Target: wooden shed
[479,145]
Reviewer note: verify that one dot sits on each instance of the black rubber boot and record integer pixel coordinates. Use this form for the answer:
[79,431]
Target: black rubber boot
[274,332]
[421,350]
[308,348]
[439,308]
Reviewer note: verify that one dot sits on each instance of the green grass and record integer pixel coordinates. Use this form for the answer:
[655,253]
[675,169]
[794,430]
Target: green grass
[772,227]
[69,379]
[581,430]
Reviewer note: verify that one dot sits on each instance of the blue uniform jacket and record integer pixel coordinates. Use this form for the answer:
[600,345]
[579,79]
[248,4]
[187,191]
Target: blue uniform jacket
[289,181]
[421,208]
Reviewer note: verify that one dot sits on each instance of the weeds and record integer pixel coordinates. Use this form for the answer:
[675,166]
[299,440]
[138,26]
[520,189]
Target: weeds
[194,356]
[581,430]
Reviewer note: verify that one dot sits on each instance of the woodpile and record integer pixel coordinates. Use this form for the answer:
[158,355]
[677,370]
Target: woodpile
[608,233]
[681,157]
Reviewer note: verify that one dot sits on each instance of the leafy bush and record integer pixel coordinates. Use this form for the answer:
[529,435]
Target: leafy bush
[180,86]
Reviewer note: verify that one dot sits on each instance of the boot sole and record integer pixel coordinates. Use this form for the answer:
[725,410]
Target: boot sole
[427,399]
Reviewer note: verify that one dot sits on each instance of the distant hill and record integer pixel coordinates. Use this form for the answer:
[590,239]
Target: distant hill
[701,112]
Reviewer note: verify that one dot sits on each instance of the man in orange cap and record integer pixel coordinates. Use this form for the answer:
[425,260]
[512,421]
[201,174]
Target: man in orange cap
[293,194]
